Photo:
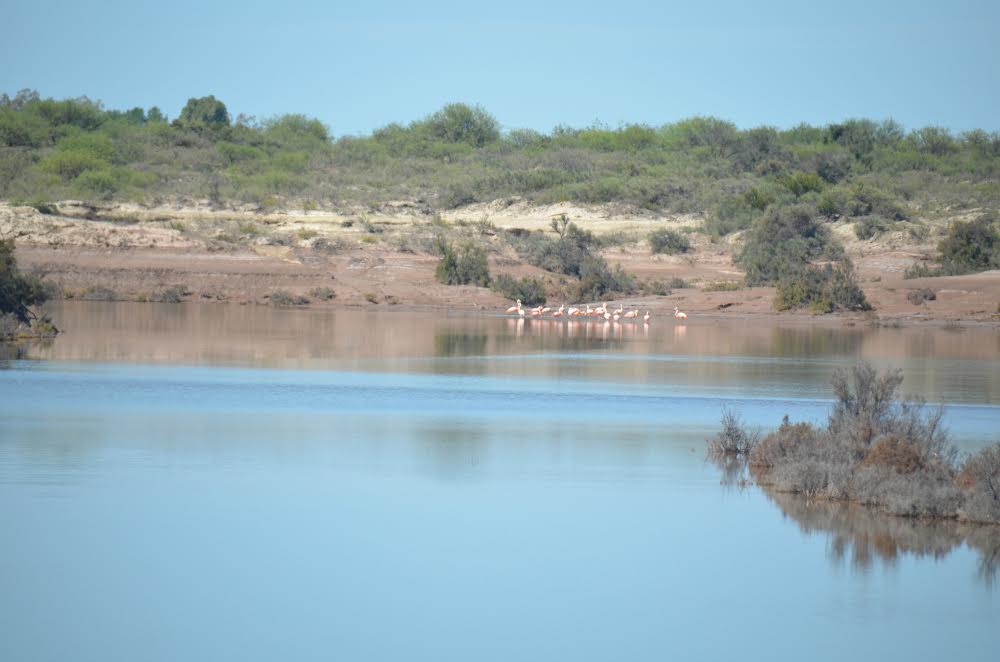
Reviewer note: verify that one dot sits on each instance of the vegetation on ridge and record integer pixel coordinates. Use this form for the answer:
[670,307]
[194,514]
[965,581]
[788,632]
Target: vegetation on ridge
[873,172]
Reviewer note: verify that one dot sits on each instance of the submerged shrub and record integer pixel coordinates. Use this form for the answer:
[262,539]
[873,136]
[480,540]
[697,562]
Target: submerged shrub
[734,439]
[980,478]
[875,449]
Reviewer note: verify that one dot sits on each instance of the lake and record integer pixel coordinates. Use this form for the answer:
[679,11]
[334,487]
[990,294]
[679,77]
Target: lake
[239,482]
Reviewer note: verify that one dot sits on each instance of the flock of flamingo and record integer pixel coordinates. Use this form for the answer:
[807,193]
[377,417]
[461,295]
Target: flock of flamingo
[575,311]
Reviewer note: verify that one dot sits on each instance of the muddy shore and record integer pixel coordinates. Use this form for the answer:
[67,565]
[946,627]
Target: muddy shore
[376,259]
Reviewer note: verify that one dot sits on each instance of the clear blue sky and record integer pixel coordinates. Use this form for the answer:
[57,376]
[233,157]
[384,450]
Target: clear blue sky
[363,64]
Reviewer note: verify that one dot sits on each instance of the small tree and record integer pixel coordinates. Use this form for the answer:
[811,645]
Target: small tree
[459,123]
[18,292]
[204,112]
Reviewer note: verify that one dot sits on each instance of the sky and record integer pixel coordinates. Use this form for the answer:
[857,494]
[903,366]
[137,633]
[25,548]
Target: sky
[532,64]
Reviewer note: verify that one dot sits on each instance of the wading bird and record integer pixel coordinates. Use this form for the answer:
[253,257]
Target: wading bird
[679,315]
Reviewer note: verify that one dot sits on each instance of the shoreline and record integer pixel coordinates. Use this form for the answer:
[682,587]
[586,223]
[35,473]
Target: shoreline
[118,256]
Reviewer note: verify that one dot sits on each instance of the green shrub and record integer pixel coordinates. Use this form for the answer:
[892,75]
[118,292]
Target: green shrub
[668,242]
[783,242]
[834,202]
[800,183]
[531,291]
[823,289]
[96,293]
[172,294]
[758,198]
[464,265]
[921,296]
[678,283]
[597,279]
[870,227]
[971,246]
[732,215]
[284,299]
[19,292]
[203,112]
[322,293]
[722,286]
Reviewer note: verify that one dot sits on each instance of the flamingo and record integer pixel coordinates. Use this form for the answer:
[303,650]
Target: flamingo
[590,311]
[632,313]
[573,312]
[520,311]
[645,318]
[680,315]
[617,316]
[559,312]
[546,309]
[607,316]
[514,309]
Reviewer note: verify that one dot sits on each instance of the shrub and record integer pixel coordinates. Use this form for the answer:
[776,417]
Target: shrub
[668,242]
[678,283]
[800,183]
[464,265]
[980,477]
[459,123]
[823,289]
[734,440]
[19,292]
[100,294]
[322,293]
[783,242]
[875,449]
[531,291]
[758,199]
[921,296]
[598,279]
[722,286]
[203,112]
[870,227]
[284,299]
[172,294]
[971,246]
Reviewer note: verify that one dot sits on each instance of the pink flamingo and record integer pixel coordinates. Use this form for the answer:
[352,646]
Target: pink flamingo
[632,313]
[559,312]
[645,318]
[679,315]
[514,309]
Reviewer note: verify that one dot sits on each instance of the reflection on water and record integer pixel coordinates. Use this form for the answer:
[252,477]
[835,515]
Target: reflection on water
[390,485]
[861,535]
[746,356]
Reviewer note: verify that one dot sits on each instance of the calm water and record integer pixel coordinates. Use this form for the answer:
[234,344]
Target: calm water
[223,482]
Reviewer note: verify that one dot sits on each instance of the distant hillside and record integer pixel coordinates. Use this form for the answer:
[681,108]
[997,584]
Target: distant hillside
[875,172]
